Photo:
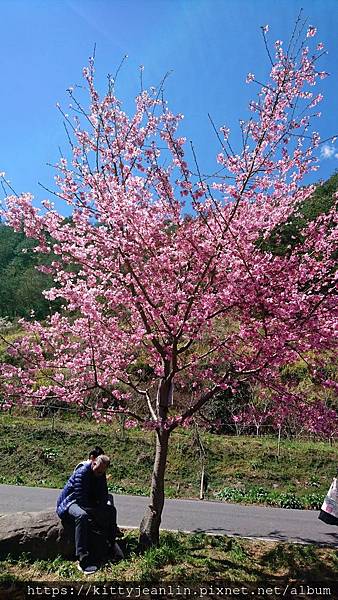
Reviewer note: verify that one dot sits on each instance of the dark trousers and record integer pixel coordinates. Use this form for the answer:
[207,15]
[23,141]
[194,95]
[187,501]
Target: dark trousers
[102,518]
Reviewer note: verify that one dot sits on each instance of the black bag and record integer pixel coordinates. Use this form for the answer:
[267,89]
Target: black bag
[327,518]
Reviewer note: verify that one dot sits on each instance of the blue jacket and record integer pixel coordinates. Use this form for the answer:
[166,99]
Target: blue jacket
[83,488]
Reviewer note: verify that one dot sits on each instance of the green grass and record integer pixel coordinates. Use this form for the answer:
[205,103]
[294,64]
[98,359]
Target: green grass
[43,452]
[261,495]
[192,559]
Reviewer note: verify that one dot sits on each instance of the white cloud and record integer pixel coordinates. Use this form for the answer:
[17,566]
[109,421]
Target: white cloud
[328,151]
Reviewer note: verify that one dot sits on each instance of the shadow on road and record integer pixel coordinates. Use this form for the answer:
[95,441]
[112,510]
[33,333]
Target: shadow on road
[275,535]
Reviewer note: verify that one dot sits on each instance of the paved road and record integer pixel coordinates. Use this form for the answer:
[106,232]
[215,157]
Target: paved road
[300,526]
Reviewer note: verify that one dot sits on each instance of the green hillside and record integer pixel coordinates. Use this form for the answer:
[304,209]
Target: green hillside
[43,452]
[21,284]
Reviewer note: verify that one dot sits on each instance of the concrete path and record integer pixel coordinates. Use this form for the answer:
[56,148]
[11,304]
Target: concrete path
[300,526]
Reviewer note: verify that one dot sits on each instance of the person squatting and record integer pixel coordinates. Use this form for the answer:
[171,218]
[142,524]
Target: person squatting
[85,502]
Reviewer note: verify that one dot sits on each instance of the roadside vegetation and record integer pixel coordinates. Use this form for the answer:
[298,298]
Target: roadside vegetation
[191,559]
[43,451]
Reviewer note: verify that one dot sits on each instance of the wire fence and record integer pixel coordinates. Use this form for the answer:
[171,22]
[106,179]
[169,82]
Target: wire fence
[59,414]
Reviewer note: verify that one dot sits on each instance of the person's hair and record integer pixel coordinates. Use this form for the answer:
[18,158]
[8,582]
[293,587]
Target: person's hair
[97,451]
[103,459]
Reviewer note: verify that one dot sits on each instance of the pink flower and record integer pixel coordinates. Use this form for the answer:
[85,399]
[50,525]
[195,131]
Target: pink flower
[311,32]
[130,424]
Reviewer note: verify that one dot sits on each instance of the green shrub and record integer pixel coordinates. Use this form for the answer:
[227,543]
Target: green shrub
[231,494]
[48,455]
[257,495]
[290,500]
[313,501]
[261,495]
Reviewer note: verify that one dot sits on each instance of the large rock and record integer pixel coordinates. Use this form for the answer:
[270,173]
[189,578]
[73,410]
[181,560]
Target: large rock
[40,533]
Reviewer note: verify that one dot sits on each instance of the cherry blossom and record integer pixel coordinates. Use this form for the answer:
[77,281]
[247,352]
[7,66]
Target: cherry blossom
[311,32]
[170,290]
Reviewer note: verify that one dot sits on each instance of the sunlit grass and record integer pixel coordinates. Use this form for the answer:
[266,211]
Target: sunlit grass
[192,558]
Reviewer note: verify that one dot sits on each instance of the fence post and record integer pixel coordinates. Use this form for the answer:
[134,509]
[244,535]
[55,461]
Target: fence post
[278,444]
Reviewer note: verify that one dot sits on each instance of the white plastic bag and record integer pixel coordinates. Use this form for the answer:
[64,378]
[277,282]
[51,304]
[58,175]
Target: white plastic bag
[330,504]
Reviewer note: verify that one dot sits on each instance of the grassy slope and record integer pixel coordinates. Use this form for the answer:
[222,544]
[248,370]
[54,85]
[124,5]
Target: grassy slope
[31,453]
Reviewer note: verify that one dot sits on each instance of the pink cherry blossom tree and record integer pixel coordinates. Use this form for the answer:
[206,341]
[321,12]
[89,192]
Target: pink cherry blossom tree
[163,267]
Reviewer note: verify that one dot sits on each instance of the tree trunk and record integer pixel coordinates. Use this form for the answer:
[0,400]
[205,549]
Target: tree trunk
[150,524]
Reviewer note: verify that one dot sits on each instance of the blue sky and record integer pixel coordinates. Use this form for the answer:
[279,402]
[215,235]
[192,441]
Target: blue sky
[209,45]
